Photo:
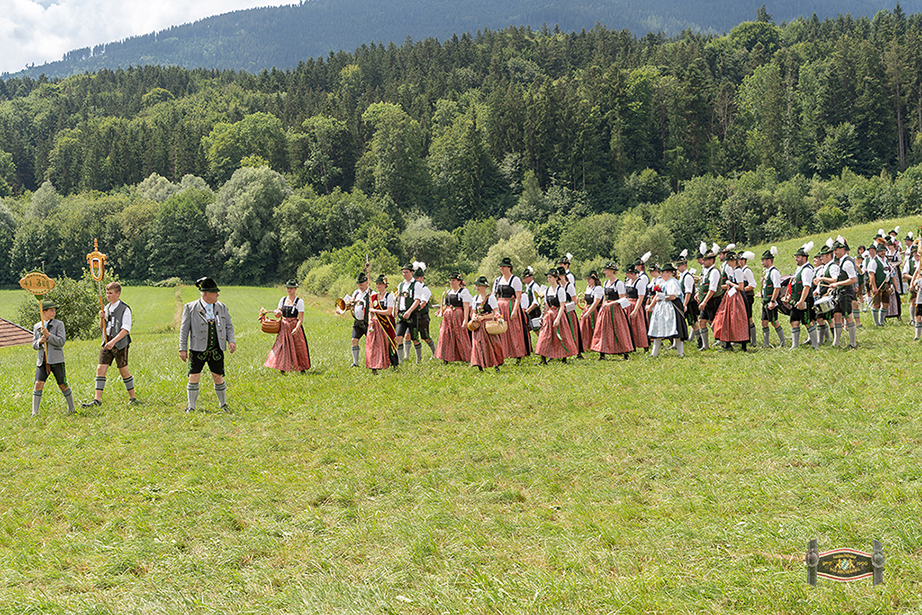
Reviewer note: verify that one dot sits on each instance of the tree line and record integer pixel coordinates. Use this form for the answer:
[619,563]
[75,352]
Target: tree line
[595,142]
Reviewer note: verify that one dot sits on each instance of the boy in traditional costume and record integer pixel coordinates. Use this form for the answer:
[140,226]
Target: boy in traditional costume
[115,322]
[50,333]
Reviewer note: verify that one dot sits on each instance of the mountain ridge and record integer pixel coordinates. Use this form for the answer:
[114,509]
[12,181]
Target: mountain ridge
[257,39]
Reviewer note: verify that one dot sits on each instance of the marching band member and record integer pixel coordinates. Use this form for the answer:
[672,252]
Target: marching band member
[915,283]
[878,286]
[612,334]
[593,299]
[771,297]
[844,284]
[507,288]
[826,273]
[555,340]
[290,353]
[730,322]
[909,272]
[861,291]
[381,343]
[531,306]
[667,319]
[893,260]
[407,304]
[637,315]
[454,338]
[422,323]
[486,349]
[710,293]
[802,298]
[359,301]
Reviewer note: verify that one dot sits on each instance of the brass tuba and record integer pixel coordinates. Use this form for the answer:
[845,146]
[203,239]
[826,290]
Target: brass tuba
[342,306]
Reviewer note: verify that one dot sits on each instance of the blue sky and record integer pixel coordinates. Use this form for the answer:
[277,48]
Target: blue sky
[39,31]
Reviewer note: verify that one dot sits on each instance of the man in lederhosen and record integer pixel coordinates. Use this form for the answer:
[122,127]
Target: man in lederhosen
[407,304]
[424,294]
[710,295]
[771,294]
[802,297]
[878,286]
[359,300]
[205,333]
[845,289]
[531,306]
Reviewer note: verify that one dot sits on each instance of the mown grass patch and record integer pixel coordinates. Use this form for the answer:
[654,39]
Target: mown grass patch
[641,486]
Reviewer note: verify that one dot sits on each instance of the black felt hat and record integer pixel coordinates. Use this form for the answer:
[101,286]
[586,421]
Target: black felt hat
[207,285]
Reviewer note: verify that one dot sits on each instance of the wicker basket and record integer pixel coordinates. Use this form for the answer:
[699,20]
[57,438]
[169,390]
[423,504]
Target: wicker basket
[271,326]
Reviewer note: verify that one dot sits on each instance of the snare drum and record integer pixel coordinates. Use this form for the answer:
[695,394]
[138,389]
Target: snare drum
[825,305]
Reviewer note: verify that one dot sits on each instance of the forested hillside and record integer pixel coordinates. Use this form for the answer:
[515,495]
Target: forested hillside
[280,37]
[518,141]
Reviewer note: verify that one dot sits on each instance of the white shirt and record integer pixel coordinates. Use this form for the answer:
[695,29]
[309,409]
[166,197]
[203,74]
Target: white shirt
[535,289]
[671,288]
[848,266]
[490,300]
[359,299]
[298,304]
[620,288]
[597,293]
[463,293]
[423,294]
[513,281]
[749,277]
[713,278]
[641,284]
[126,317]
[402,302]
[806,277]
[688,282]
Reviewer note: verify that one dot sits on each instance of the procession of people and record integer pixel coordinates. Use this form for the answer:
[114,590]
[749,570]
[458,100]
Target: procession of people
[493,325]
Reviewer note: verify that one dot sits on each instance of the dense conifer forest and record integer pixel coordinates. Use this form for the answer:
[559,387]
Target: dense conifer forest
[516,141]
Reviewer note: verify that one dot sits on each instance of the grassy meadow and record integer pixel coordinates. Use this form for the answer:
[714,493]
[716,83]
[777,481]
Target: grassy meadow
[643,486]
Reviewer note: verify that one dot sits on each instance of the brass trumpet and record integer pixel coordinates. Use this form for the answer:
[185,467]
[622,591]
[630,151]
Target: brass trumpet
[342,306]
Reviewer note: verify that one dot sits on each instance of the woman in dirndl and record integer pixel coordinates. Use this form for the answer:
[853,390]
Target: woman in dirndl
[454,338]
[667,316]
[381,341]
[612,334]
[593,301]
[637,317]
[731,325]
[555,339]
[486,349]
[507,289]
[289,352]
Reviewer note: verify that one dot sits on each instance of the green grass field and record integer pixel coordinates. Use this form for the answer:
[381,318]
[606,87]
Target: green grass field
[644,486]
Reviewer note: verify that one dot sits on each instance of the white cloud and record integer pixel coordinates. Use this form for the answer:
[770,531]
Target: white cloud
[39,31]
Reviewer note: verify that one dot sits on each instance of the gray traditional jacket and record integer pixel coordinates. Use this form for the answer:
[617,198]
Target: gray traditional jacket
[56,339]
[193,330]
